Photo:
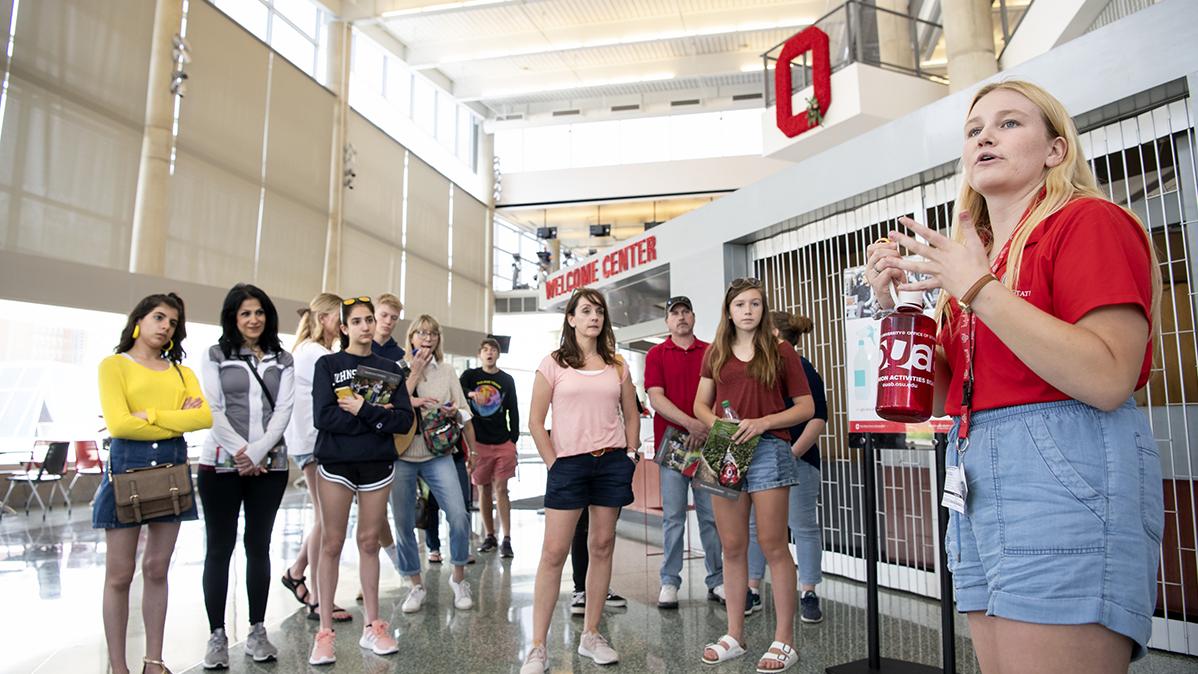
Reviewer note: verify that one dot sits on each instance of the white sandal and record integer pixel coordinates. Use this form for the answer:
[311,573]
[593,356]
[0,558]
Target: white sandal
[786,654]
[723,652]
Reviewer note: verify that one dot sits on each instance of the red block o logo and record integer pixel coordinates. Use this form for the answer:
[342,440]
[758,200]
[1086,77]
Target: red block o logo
[816,41]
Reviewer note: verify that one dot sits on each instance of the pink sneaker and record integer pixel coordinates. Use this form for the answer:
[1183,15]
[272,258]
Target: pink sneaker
[322,650]
[377,637]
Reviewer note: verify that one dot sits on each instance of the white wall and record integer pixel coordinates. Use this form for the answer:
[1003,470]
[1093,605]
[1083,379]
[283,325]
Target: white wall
[1048,24]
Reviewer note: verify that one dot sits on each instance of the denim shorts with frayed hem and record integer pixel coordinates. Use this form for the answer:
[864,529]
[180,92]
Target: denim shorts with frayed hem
[1064,517]
[125,455]
[772,465]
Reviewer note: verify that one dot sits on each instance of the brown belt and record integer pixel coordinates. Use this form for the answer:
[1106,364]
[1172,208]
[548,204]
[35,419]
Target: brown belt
[605,450]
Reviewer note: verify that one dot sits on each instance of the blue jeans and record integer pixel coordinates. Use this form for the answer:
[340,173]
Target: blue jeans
[673,510]
[432,533]
[442,478]
[804,526]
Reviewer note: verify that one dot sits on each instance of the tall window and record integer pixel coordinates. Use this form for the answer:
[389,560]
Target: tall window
[296,29]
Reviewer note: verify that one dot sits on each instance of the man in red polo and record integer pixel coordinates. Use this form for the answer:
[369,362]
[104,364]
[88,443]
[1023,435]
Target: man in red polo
[672,378]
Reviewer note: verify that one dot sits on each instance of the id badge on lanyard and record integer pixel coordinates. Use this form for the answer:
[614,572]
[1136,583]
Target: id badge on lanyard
[956,485]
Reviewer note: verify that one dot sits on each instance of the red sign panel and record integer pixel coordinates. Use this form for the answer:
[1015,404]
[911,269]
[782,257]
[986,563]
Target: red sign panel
[611,264]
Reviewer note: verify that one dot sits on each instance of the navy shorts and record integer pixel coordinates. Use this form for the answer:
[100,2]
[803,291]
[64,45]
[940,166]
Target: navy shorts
[358,476]
[584,480]
[128,454]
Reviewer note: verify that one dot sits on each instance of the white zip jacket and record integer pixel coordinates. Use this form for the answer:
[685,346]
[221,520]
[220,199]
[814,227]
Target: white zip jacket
[241,414]
[301,430]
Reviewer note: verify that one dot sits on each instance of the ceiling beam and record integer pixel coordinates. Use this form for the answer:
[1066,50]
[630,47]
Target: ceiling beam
[365,10]
[465,49]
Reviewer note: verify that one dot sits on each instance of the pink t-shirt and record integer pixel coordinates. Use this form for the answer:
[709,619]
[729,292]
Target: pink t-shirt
[586,408]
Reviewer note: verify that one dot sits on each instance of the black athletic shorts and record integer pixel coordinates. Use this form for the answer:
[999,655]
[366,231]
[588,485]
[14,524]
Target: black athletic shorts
[359,475]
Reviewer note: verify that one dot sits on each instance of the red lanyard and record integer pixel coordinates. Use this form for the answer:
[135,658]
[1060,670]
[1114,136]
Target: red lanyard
[968,345]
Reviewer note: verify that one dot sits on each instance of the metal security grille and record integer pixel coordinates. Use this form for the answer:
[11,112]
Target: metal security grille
[1142,152]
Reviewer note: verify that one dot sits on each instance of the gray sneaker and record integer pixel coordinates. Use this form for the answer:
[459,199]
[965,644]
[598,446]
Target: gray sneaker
[258,647]
[217,656]
[594,646]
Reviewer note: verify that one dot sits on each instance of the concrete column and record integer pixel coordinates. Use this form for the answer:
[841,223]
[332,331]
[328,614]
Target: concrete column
[147,251]
[340,43]
[969,41]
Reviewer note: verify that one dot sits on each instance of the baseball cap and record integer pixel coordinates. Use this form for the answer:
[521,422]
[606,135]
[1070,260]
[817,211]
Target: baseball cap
[679,299]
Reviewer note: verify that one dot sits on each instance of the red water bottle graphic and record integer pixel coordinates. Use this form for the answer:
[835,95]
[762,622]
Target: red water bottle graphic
[905,376]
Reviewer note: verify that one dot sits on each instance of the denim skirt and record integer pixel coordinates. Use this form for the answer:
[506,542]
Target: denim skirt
[1063,518]
[128,454]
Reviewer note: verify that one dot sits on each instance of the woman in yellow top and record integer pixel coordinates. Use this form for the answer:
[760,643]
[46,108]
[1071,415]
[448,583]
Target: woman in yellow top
[149,402]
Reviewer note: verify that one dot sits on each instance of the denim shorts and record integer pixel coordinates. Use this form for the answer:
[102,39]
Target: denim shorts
[302,460]
[772,466]
[1064,517]
[126,454]
[584,480]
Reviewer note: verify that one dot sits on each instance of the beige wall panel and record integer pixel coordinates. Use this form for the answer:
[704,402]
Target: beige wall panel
[213,224]
[366,262]
[469,237]
[301,124]
[427,289]
[223,115]
[291,255]
[376,202]
[469,300]
[67,179]
[428,213]
[94,51]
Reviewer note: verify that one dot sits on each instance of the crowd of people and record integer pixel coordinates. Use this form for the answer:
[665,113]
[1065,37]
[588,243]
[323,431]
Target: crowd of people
[1048,312]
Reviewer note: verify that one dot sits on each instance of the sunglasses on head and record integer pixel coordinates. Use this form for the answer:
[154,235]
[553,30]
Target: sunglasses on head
[747,282]
[354,300]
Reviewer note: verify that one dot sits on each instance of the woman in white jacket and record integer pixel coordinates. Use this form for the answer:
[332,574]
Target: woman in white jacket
[319,328]
[249,384]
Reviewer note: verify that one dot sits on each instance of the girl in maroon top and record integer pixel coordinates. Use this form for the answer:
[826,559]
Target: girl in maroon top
[1047,315]
[746,366]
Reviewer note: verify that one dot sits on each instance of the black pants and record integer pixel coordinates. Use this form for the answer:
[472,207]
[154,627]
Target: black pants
[432,533]
[222,495]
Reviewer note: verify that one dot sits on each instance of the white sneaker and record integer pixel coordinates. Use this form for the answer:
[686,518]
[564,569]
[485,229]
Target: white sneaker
[668,597]
[716,594]
[594,646]
[415,599]
[461,594]
[537,661]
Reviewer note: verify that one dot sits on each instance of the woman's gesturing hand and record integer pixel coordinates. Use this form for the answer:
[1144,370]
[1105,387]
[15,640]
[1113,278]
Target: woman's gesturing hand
[880,276]
[950,265]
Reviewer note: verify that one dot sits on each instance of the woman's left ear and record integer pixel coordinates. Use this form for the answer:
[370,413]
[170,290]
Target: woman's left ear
[1056,153]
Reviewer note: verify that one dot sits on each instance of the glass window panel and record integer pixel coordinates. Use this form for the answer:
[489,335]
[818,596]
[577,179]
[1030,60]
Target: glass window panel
[294,46]
[509,147]
[694,136]
[424,104]
[251,14]
[546,148]
[507,240]
[447,119]
[644,140]
[465,149]
[399,86]
[302,13]
[595,144]
[368,64]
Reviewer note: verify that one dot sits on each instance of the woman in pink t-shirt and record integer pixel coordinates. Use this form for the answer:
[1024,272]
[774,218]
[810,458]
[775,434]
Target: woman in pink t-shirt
[591,459]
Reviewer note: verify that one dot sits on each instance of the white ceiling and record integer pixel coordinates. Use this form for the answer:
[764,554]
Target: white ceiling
[527,56]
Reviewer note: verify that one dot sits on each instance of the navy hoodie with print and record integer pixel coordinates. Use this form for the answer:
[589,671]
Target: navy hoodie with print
[343,437]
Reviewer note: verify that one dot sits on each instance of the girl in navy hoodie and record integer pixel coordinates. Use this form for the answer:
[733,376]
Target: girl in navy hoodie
[355,454]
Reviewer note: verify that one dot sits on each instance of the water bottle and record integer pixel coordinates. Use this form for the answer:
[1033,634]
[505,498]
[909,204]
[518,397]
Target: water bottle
[728,413]
[906,377]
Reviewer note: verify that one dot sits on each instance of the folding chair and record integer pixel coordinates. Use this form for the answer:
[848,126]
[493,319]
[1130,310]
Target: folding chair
[53,467]
[87,462]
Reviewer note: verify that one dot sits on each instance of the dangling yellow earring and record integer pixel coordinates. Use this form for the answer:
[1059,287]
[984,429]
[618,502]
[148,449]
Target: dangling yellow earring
[169,346]
[136,331]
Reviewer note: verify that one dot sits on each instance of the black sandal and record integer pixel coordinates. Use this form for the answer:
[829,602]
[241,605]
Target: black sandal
[294,584]
[344,617]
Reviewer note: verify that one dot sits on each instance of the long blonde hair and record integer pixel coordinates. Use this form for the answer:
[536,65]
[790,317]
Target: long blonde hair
[767,360]
[310,329]
[1069,180]
[428,323]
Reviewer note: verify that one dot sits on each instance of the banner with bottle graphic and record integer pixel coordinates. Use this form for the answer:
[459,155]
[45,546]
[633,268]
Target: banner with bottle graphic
[863,356]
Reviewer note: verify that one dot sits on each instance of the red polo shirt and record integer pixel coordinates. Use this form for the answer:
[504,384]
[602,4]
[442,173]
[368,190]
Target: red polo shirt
[1088,255]
[676,370]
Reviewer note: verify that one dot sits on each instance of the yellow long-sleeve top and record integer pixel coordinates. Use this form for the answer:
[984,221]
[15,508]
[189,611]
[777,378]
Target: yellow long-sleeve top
[126,387]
